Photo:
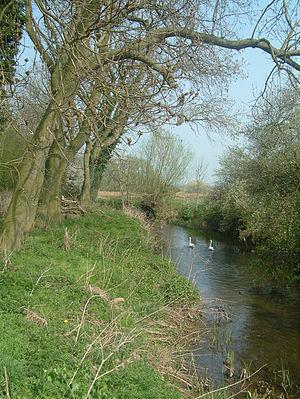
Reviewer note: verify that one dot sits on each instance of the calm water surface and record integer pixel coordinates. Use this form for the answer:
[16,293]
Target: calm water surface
[264,326]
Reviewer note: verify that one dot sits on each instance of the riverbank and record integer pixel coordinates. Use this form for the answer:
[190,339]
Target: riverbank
[91,312]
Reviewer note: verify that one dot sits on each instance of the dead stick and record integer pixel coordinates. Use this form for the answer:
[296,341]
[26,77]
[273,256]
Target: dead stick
[6,383]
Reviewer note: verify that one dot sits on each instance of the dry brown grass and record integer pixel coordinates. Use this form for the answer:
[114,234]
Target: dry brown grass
[135,213]
[174,334]
[109,194]
[34,317]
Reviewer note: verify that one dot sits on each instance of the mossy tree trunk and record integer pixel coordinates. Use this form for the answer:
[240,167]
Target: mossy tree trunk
[49,202]
[21,212]
[96,157]
[60,157]
[85,195]
[98,165]
[67,71]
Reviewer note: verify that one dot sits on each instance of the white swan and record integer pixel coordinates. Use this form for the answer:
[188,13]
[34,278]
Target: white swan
[191,244]
[211,248]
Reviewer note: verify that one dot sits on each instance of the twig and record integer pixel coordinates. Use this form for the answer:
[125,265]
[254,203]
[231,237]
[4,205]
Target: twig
[231,385]
[126,340]
[38,280]
[6,260]
[91,345]
[6,384]
[83,314]
[180,379]
[243,389]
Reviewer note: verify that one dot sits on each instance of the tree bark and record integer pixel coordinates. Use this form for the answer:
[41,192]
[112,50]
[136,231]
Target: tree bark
[50,199]
[85,196]
[21,212]
[98,166]
[59,159]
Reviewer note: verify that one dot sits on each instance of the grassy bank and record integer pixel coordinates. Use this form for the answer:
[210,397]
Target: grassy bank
[97,321]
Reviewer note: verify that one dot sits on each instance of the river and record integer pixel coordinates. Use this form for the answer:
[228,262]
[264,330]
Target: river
[254,325]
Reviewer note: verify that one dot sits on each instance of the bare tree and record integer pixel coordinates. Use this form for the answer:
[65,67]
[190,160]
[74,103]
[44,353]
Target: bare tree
[182,46]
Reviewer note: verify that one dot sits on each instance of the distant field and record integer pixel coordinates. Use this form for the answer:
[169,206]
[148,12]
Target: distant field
[183,195]
[179,195]
[109,194]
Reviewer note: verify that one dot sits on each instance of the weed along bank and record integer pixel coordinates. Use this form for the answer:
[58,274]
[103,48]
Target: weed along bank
[102,317]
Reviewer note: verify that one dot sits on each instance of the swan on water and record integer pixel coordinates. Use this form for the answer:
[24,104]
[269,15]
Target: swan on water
[210,248]
[191,244]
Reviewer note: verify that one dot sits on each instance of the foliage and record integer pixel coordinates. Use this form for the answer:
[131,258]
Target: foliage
[167,160]
[11,22]
[73,179]
[109,251]
[198,187]
[204,214]
[260,182]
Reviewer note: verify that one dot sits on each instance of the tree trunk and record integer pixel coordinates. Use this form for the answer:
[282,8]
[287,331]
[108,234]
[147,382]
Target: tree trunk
[50,200]
[21,212]
[98,165]
[66,76]
[85,196]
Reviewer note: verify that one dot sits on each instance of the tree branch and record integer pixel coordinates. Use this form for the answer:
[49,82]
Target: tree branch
[34,37]
[135,55]
[239,44]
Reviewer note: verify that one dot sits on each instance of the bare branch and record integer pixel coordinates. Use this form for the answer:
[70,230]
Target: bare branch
[34,36]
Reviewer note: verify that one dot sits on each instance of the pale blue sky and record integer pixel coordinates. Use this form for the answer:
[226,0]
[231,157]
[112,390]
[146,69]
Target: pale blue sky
[243,92]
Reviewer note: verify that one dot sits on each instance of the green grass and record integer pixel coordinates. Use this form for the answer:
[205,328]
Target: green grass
[88,342]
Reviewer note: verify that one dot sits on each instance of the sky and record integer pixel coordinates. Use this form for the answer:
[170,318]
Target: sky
[243,92]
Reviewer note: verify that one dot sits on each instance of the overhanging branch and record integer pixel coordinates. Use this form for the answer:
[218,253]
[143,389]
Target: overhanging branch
[239,44]
[34,36]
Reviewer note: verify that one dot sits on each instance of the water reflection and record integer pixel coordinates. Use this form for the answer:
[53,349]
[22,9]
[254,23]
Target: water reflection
[265,327]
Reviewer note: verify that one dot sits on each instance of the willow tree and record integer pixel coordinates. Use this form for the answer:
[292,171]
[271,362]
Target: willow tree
[183,43]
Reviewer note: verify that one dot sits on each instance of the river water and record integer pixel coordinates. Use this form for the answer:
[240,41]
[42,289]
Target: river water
[254,326]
